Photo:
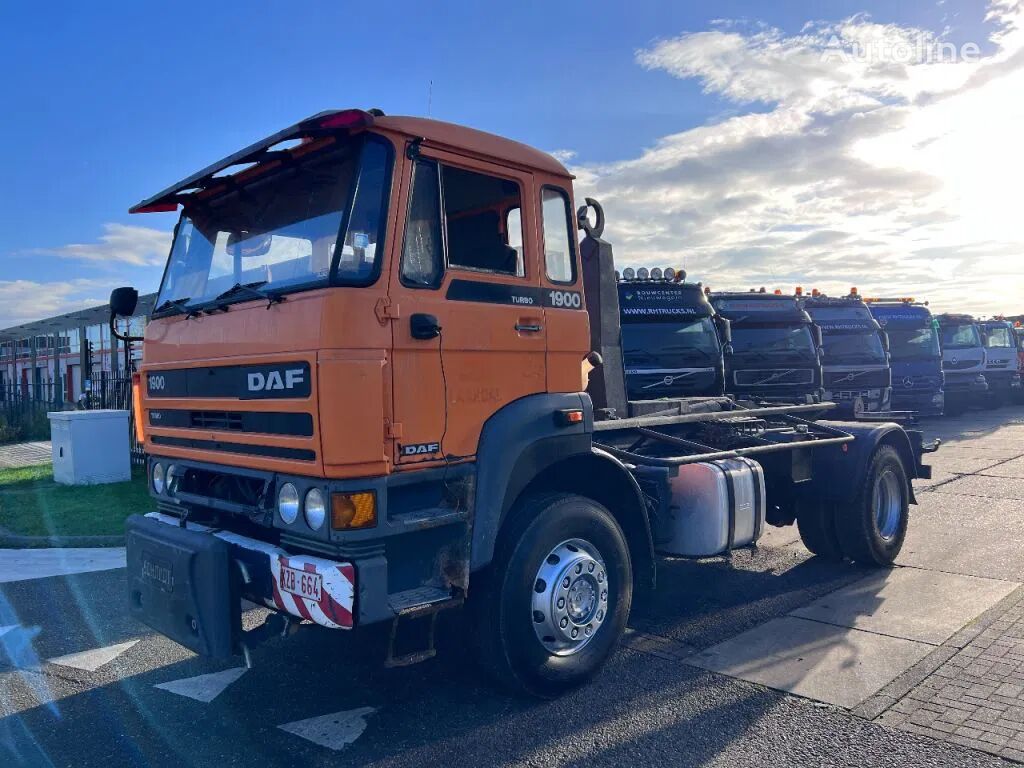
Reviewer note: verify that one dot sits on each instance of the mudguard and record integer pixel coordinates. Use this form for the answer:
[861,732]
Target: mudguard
[516,444]
[838,471]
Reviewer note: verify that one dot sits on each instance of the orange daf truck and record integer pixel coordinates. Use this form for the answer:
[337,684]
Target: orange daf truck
[384,377]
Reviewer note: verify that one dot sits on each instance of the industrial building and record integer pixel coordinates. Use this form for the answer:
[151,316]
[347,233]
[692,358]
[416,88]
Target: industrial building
[61,359]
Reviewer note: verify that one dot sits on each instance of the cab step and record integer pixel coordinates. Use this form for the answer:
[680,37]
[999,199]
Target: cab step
[414,604]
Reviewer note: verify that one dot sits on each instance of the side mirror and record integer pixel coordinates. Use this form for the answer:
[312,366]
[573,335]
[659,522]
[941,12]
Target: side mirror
[724,329]
[818,340]
[885,342]
[123,302]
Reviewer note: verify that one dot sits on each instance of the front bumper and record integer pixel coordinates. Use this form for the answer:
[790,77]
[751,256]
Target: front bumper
[930,402]
[965,384]
[854,401]
[188,582]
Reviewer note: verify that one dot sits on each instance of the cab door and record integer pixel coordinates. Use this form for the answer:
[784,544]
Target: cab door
[469,336]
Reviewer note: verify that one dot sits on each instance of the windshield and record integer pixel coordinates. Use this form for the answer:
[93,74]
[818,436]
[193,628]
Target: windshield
[963,336]
[772,339]
[999,337]
[862,347]
[656,341]
[909,343]
[280,232]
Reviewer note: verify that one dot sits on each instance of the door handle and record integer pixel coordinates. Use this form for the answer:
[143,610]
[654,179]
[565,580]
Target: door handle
[528,328]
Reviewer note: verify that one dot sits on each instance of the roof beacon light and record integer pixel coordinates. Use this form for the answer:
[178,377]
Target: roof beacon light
[815,292]
[799,291]
[853,291]
[656,273]
[643,273]
[778,291]
[761,290]
[628,273]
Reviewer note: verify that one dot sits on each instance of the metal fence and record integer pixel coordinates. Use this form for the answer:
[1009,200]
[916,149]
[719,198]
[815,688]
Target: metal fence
[24,405]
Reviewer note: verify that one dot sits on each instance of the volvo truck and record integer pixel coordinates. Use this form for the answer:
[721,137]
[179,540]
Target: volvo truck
[855,353]
[673,343]
[384,379]
[776,348]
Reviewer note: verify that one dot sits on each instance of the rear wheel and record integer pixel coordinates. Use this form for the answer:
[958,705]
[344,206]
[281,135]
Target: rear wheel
[816,521]
[872,528]
[554,603]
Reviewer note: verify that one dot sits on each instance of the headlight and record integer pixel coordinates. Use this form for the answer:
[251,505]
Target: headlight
[170,479]
[315,509]
[158,478]
[288,503]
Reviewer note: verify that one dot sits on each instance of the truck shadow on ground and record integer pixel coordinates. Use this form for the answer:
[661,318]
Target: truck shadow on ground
[442,711]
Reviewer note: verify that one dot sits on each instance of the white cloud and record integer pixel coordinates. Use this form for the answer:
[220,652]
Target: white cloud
[120,244]
[22,301]
[888,167]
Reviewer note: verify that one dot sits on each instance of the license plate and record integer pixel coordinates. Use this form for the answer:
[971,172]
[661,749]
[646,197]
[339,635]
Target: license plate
[301,583]
[157,571]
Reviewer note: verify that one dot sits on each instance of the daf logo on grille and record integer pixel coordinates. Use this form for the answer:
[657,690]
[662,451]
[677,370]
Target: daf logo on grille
[261,382]
[908,382]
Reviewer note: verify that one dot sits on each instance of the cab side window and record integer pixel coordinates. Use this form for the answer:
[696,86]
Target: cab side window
[559,246]
[423,250]
[476,207]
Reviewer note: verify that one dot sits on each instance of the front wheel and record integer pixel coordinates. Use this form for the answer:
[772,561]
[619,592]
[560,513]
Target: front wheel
[873,526]
[554,603]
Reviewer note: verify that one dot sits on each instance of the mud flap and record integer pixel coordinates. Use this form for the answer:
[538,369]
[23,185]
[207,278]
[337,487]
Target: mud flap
[182,584]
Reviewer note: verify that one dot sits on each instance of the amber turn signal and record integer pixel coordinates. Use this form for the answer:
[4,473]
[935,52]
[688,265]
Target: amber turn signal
[140,429]
[353,510]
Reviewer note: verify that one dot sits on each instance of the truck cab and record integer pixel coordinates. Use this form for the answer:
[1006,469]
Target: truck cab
[672,340]
[963,362]
[776,348]
[855,362]
[1001,361]
[915,355]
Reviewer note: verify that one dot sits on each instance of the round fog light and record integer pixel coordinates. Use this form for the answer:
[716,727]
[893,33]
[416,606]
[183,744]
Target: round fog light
[158,478]
[288,503]
[315,509]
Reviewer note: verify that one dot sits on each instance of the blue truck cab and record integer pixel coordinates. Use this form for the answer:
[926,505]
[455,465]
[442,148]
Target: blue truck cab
[915,356]
[672,340]
[963,361]
[855,360]
[1000,361]
[776,355]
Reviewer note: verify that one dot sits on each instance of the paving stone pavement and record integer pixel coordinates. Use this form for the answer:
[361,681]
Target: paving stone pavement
[976,698]
[25,454]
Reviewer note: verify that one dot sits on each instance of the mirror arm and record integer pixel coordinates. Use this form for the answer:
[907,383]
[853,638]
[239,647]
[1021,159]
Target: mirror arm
[121,336]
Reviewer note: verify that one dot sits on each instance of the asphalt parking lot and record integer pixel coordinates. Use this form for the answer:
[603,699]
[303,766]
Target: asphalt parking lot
[769,658]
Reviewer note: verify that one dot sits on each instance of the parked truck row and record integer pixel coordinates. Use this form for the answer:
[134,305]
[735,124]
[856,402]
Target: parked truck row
[873,357]
[386,377]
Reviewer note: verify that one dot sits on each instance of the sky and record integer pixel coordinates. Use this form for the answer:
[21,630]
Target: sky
[820,144]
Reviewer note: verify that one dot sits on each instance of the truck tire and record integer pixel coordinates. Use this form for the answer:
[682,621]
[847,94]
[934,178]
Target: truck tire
[816,521]
[553,604]
[872,527]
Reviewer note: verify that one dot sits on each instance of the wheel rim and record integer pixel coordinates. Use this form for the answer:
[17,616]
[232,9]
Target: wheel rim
[888,502]
[570,597]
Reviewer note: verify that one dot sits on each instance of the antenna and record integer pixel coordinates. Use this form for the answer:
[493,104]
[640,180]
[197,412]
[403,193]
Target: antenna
[430,96]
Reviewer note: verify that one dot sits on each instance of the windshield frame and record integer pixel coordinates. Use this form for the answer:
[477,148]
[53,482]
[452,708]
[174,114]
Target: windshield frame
[810,351]
[333,278]
[979,343]
[829,338]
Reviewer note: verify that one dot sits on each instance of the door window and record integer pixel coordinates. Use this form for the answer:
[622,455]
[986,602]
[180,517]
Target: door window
[559,250]
[476,207]
[423,249]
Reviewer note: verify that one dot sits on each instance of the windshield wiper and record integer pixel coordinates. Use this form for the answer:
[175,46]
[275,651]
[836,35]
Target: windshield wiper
[251,289]
[178,305]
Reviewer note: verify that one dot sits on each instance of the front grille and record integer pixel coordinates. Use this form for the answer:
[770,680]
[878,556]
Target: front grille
[959,365]
[921,381]
[857,379]
[226,421]
[257,422]
[773,377]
